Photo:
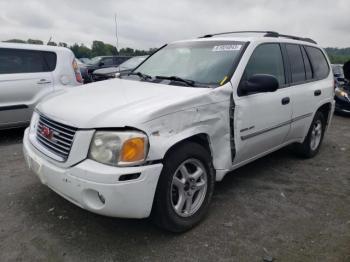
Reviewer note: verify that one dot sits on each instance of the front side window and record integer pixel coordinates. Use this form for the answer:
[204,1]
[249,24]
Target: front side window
[15,61]
[318,61]
[296,63]
[205,62]
[266,59]
[107,61]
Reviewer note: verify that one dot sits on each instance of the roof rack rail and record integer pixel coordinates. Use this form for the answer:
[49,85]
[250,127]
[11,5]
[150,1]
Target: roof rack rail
[266,34]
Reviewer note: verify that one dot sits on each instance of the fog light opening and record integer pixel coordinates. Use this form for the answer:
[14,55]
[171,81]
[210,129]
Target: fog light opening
[129,177]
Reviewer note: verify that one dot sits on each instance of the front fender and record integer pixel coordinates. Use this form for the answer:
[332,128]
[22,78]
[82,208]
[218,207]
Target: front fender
[212,120]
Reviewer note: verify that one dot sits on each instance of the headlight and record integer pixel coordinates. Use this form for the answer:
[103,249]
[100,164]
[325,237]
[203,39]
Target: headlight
[119,148]
[340,92]
[34,122]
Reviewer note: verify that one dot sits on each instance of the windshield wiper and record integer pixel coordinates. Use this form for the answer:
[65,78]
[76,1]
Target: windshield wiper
[179,79]
[141,75]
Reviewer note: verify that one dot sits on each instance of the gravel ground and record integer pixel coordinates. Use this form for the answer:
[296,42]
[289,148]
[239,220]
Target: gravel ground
[279,208]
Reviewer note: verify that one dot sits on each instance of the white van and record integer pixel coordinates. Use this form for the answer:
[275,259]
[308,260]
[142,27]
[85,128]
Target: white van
[27,74]
[155,142]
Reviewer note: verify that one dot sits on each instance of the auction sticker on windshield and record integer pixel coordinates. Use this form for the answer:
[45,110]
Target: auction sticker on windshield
[219,48]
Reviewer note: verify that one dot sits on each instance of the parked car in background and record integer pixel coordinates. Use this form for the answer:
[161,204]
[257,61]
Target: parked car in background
[85,60]
[83,71]
[338,74]
[28,73]
[342,90]
[104,61]
[122,69]
[154,142]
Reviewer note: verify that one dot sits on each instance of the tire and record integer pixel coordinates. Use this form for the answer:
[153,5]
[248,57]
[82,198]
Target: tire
[179,181]
[308,149]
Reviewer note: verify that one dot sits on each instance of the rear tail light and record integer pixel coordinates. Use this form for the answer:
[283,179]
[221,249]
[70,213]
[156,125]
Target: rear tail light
[78,76]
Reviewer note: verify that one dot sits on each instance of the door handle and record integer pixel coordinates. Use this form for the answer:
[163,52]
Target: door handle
[317,92]
[285,100]
[43,81]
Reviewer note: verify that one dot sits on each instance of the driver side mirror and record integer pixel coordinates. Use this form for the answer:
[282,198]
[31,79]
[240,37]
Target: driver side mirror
[259,83]
[101,64]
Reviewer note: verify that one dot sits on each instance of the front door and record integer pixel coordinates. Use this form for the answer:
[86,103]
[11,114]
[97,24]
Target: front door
[262,119]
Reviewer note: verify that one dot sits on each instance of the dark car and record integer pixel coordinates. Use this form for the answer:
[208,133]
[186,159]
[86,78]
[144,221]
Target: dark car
[83,71]
[342,90]
[122,69]
[338,74]
[104,61]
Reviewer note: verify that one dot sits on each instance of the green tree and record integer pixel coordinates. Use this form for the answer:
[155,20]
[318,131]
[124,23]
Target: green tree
[81,51]
[62,44]
[16,41]
[35,41]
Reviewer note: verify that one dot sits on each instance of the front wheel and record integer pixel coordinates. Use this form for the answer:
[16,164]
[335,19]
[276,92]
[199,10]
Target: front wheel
[311,145]
[185,188]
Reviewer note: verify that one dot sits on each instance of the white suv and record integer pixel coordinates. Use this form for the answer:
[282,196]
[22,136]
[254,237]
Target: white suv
[155,142]
[27,74]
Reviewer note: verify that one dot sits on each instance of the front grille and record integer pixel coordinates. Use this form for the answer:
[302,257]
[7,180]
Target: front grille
[58,137]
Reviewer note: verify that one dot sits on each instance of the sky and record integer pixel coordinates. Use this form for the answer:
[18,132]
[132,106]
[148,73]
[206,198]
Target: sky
[152,23]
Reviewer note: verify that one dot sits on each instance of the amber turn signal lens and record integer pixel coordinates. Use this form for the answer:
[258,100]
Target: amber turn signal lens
[133,150]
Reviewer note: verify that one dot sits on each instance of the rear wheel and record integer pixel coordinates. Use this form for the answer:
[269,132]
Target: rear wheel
[184,189]
[311,145]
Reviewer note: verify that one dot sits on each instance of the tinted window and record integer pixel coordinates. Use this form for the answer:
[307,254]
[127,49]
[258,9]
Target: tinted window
[307,64]
[296,63]
[107,61]
[26,61]
[318,62]
[51,60]
[266,59]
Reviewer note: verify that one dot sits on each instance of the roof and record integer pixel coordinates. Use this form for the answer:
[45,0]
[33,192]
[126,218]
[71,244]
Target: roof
[33,47]
[255,36]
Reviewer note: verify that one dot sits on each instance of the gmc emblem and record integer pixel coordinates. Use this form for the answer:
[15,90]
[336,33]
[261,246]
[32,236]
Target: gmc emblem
[46,132]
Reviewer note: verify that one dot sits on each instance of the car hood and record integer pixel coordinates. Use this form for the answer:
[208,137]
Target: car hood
[119,103]
[107,70]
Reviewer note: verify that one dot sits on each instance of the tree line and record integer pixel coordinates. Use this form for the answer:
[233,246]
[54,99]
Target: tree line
[98,48]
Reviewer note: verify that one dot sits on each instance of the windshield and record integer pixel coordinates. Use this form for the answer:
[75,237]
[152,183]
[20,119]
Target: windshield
[132,62]
[95,60]
[206,62]
[337,69]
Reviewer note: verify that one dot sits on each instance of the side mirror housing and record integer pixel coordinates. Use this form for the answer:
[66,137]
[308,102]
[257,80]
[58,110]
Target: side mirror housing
[101,64]
[259,83]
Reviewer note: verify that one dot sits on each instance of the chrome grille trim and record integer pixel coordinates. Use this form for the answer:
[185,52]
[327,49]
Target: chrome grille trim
[62,137]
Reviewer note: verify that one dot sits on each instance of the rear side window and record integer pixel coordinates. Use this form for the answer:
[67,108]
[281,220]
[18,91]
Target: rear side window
[14,61]
[50,60]
[318,62]
[307,64]
[296,63]
[266,59]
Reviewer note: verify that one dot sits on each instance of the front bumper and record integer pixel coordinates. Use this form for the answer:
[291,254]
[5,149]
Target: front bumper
[96,187]
[342,105]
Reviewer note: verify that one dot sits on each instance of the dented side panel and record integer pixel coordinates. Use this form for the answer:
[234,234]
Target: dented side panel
[212,119]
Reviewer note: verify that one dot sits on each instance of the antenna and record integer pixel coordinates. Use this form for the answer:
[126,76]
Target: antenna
[49,40]
[116,32]
[116,37]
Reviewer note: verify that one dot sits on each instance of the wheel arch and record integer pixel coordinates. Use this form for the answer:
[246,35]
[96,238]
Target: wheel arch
[202,139]
[326,110]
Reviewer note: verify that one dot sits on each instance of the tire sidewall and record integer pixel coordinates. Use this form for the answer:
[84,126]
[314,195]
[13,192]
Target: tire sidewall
[164,207]
[318,116]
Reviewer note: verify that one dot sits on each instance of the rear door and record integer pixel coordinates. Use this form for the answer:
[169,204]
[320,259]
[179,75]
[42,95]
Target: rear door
[25,77]
[263,119]
[309,85]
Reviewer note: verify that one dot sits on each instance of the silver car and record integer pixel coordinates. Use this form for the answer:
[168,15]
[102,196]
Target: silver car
[27,74]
